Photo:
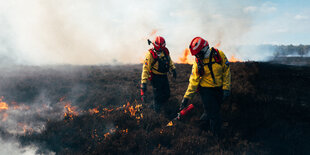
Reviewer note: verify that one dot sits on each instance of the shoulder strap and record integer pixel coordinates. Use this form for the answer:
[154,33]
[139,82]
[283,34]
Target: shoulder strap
[210,64]
[154,54]
[213,54]
[155,57]
[216,56]
[166,51]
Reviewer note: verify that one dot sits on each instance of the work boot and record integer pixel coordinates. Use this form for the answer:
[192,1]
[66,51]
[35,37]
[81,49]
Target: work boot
[215,127]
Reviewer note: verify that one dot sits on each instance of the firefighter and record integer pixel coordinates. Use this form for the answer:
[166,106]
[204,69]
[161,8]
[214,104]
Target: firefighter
[155,68]
[210,77]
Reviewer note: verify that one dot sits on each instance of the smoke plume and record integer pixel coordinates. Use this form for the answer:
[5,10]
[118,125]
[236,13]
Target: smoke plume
[113,32]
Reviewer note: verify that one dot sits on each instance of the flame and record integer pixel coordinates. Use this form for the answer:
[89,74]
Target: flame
[111,131]
[184,59]
[124,131]
[170,123]
[94,110]
[217,45]
[3,105]
[234,59]
[70,111]
[133,110]
[106,135]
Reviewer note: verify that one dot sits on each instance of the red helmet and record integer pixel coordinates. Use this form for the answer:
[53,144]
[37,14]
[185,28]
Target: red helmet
[197,45]
[159,43]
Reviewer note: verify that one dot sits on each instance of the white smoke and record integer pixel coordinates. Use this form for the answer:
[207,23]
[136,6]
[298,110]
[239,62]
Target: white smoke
[11,147]
[102,32]
[83,32]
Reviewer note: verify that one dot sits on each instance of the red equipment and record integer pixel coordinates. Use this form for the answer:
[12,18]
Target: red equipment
[159,43]
[184,111]
[197,45]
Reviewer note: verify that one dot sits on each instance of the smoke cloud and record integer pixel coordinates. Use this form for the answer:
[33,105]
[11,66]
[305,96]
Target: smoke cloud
[107,32]
[11,147]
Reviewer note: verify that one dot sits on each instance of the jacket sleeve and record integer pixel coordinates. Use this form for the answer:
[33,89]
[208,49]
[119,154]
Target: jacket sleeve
[172,66]
[146,67]
[194,81]
[226,72]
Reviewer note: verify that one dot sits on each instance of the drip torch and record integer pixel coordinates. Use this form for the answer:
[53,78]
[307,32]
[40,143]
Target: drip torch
[181,114]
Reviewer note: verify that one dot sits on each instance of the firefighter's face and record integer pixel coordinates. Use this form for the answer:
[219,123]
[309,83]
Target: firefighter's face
[200,55]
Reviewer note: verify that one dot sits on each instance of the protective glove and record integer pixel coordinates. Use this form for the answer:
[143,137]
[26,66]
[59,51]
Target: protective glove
[174,73]
[143,90]
[226,94]
[183,103]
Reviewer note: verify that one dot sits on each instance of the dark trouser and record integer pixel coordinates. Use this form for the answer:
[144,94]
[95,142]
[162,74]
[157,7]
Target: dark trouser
[161,90]
[212,99]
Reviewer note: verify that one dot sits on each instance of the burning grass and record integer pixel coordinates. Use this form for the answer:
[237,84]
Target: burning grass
[3,105]
[267,113]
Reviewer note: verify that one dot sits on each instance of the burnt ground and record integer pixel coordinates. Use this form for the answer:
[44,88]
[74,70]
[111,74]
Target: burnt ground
[267,113]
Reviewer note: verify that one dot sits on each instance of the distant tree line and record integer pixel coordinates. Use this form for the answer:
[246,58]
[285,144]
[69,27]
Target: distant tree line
[285,50]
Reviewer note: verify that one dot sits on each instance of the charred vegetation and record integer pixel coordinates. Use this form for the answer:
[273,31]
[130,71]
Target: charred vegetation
[268,111]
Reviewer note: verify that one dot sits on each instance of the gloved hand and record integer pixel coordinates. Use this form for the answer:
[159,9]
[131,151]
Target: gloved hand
[183,103]
[174,72]
[226,94]
[143,90]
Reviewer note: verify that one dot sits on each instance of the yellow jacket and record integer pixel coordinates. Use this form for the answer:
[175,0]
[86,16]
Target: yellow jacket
[221,74]
[147,66]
